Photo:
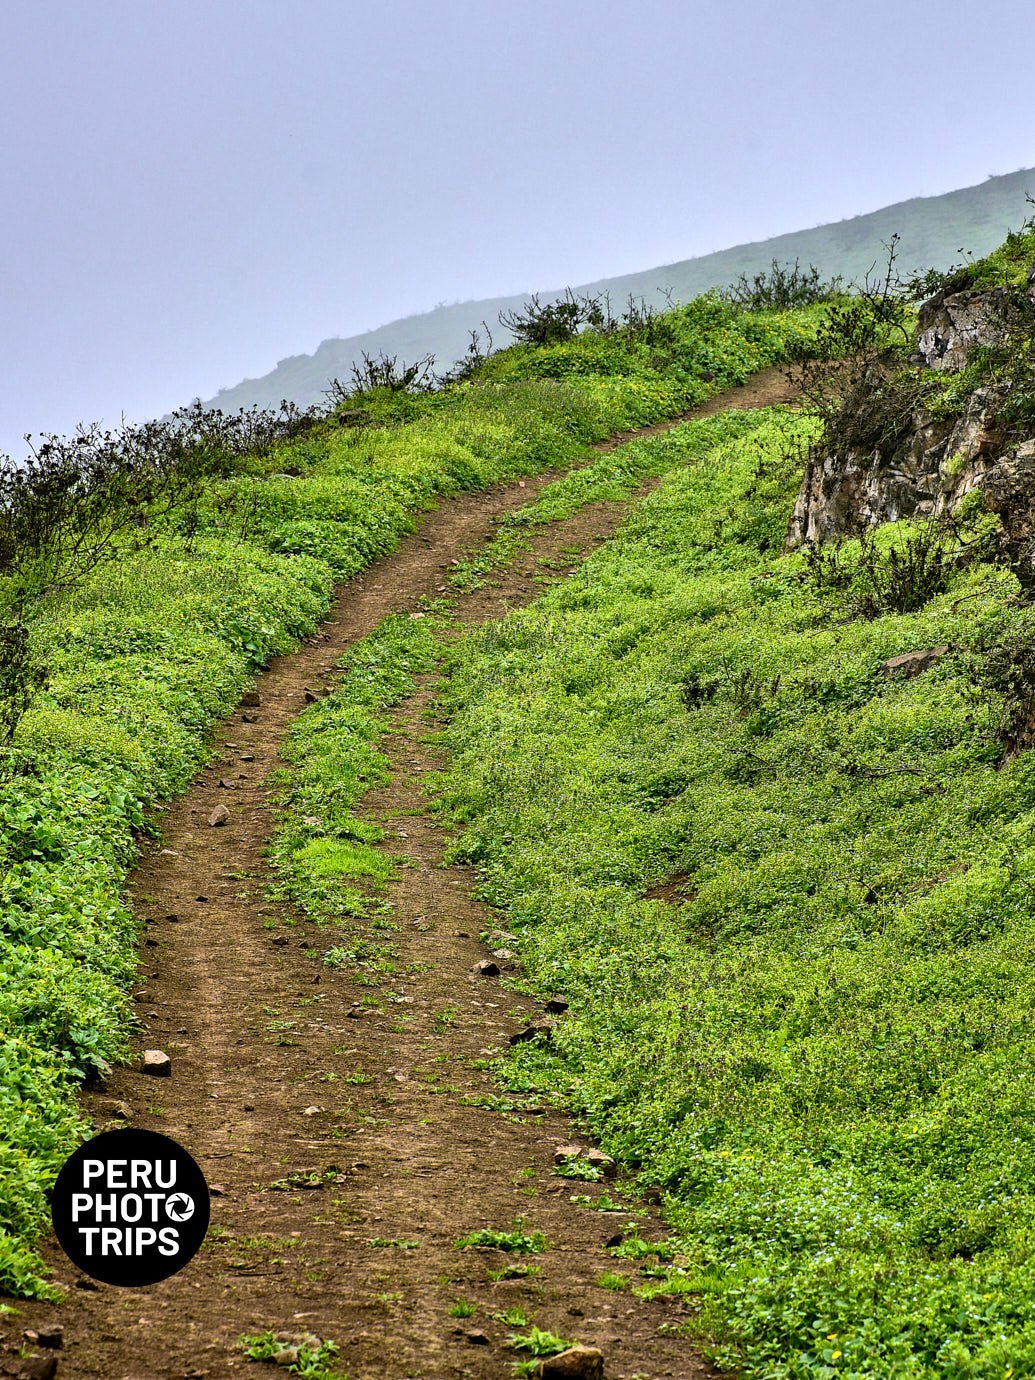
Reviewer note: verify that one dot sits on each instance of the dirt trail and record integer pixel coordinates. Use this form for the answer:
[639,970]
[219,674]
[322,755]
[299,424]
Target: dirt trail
[274,1076]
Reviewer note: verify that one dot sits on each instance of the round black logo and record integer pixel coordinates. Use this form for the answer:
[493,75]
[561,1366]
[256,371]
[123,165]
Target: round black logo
[130,1207]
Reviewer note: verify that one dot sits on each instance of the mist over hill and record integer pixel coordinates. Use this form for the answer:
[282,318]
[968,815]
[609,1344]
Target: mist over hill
[933,230]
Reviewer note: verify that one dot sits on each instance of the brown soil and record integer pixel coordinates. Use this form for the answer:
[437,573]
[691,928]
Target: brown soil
[274,1075]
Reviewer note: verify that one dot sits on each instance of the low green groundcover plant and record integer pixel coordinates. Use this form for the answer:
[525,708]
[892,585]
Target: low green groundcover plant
[790,900]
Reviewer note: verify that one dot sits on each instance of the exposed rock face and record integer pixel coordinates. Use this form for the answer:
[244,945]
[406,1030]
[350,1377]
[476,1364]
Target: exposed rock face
[924,474]
[951,325]
[911,664]
[922,465]
[1009,488]
[918,465]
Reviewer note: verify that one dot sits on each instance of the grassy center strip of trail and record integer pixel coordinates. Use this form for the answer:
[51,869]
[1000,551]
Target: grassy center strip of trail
[307,1091]
[785,886]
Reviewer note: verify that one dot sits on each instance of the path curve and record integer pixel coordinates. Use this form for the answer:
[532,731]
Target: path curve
[260,1035]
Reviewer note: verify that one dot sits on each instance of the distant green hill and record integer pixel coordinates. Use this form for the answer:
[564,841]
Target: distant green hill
[933,230]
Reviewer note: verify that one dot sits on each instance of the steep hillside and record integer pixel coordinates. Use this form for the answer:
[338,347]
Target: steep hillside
[764,817]
[933,230]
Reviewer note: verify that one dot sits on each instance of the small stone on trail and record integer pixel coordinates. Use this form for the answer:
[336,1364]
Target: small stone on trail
[603,1162]
[311,696]
[89,1286]
[312,1111]
[577,1363]
[219,816]
[227,785]
[247,756]
[52,1337]
[532,1032]
[201,898]
[478,1338]
[251,699]
[556,1006]
[217,1190]
[568,1151]
[249,718]
[120,1111]
[156,1063]
[486,968]
[172,919]
[39,1368]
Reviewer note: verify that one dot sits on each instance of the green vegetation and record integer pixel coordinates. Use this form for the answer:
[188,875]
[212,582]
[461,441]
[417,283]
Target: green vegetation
[789,899]
[109,695]
[538,1342]
[309,1357]
[517,1241]
[323,855]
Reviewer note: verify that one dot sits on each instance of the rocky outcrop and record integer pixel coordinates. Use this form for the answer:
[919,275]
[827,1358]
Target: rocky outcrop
[896,459]
[951,325]
[1009,489]
[922,474]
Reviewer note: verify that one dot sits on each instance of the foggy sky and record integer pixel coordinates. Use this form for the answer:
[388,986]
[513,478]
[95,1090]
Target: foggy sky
[193,189]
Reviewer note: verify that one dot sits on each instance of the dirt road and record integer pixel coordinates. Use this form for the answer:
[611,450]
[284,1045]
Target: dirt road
[348,1154]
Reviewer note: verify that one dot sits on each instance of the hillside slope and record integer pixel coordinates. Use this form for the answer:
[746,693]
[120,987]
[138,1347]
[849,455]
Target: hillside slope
[933,229]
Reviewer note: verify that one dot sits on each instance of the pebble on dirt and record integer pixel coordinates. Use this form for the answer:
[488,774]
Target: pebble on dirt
[532,1032]
[155,1062]
[568,1151]
[556,1006]
[120,1111]
[603,1162]
[577,1363]
[39,1368]
[219,816]
[486,968]
[53,1338]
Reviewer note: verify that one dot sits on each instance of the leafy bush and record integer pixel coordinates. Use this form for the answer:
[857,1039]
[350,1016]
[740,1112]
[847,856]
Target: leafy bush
[548,323]
[782,287]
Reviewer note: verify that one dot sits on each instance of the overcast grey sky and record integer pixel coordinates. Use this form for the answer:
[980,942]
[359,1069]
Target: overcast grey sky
[193,189]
